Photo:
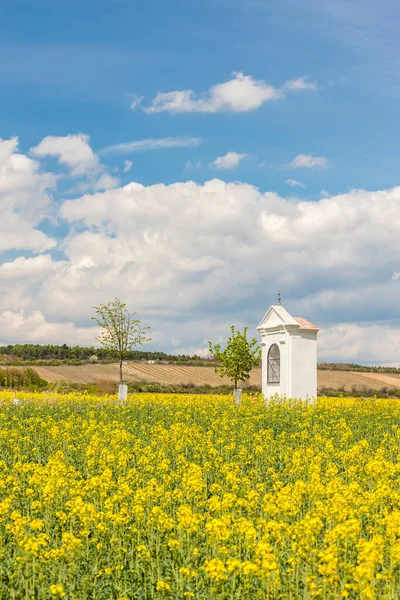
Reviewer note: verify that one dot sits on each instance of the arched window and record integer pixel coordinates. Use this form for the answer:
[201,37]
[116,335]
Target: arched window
[274,364]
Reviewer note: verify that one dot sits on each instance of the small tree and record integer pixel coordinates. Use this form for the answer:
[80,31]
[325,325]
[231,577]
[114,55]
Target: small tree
[238,358]
[121,331]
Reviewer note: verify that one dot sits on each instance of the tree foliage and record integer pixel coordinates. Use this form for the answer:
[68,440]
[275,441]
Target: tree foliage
[21,379]
[46,352]
[120,330]
[238,358]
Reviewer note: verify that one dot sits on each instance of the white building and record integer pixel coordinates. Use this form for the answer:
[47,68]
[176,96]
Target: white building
[289,355]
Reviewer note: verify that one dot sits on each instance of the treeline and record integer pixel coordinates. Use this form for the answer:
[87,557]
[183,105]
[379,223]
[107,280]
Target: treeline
[34,352]
[325,366]
[22,379]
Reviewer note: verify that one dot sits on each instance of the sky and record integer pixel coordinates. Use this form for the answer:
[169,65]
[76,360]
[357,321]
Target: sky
[192,159]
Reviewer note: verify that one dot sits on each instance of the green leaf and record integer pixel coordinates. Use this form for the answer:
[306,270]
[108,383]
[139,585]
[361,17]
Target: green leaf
[238,358]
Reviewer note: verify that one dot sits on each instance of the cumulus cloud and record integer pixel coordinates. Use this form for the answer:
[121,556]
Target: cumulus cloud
[203,352]
[242,93]
[305,235]
[34,328]
[127,165]
[73,151]
[193,259]
[104,182]
[327,251]
[153,144]
[294,183]
[35,267]
[308,161]
[366,344]
[230,160]
[24,200]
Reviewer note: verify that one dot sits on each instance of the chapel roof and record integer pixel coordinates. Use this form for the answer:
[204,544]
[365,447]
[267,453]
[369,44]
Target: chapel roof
[278,316]
[304,324]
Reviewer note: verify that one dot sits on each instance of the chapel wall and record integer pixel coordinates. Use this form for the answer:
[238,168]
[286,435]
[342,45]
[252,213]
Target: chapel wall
[303,380]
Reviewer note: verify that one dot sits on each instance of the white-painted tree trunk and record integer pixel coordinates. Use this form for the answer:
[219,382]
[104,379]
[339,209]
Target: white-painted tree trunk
[237,396]
[122,392]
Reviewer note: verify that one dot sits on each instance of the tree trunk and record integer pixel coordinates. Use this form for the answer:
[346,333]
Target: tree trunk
[120,372]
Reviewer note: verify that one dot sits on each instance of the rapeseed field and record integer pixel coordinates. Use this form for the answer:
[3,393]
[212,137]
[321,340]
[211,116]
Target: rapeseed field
[192,497]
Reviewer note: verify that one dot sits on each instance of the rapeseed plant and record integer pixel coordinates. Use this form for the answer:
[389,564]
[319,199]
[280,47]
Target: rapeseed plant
[194,497]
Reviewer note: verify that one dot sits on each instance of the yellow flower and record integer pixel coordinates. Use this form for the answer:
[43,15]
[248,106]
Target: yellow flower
[57,590]
[36,525]
[281,497]
[216,569]
[173,544]
[186,572]
[163,586]
[249,568]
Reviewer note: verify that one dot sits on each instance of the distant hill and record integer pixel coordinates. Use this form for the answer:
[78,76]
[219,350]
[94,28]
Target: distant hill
[331,382]
[326,366]
[55,355]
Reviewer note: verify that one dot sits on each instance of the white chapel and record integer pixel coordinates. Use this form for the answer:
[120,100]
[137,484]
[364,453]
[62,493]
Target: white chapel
[289,355]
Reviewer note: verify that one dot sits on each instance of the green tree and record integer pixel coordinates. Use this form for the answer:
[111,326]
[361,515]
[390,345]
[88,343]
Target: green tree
[121,331]
[238,358]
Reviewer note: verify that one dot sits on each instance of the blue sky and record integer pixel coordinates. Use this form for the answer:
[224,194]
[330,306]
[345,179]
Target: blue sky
[66,67]
[318,119]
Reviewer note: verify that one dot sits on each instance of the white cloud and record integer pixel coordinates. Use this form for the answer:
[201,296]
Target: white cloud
[29,268]
[24,200]
[303,83]
[202,352]
[197,265]
[242,93]
[34,328]
[370,344]
[294,183]
[127,165]
[136,101]
[230,160]
[314,250]
[104,182]
[153,144]
[193,259]
[308,161]
[190,165]
[73,151]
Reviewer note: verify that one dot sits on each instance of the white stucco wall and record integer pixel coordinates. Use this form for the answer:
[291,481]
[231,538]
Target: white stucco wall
[303,376]
[298,355]
[282,339]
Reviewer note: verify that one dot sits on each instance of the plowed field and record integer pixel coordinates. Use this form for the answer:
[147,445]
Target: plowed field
[168,374]
[176,375]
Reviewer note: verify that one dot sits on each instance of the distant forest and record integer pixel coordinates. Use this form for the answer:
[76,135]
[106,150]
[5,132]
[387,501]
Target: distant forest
[33,352]
[325,366]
